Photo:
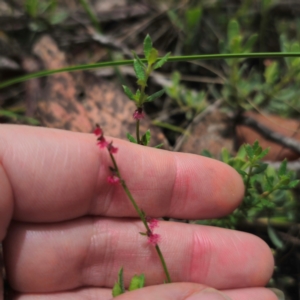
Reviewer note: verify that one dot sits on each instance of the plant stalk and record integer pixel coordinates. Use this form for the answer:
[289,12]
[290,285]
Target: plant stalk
[141,215]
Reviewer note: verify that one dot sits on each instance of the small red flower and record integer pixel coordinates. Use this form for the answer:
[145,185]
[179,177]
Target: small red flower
[153,238]
[102,143]
[138,114]
[98,131]
[113,179]
[153,223]
[112,149]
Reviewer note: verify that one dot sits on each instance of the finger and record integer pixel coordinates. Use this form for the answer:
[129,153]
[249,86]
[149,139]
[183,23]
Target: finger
[90,252]
[173,291]
[58,175]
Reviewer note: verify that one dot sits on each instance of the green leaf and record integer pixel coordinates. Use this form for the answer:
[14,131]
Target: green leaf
[152,56]
[293,184]
[162,61]
[31,7]
[274,238]
[271,73]
[243,173]
[258,151]
[131,138]
[139,60]
[282,168]
[159,146]
[193,17]
[147,46]
[233,30]
[261,168]
[263,154]
[121,280]
[206,153]
[249,151]
[146,138]
[128,92]
[225,155]
[117,290]
[59,17]
[250,43]
[137,282]
[284,180]
[139,70]
[155,96]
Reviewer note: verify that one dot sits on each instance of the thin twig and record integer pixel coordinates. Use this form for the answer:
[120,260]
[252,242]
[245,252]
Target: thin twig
[269,134]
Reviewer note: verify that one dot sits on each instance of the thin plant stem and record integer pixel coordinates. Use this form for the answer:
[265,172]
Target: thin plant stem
[247,184]
[137,127]
[163,263]
[130,62]
[141,215]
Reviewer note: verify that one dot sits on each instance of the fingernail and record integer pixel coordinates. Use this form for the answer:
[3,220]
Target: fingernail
[208,294]
[279,294]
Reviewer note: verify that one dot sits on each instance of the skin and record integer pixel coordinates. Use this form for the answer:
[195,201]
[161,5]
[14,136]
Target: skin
[67,232]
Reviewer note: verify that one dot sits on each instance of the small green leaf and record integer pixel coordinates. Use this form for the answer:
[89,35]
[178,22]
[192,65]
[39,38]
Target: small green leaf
[121,280]
[282,168]
[274,238]
[263,153]
[261,168]
[146,138]
[243,173]
[162,61]
[271,73]
[293,184]
[225,155]
[117,290]
[147,46]
[284,180]
[152,56]
[139,60]
[59,17]
[137,94]
[249,151]
[139,70]
[193,16]
[128,92]
[250,43]
[131,138]
[155,96]
[206,153]
[258,151]
[137,282]
[233,30]
[159,146]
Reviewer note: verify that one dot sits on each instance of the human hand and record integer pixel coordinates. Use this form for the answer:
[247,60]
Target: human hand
[67,231]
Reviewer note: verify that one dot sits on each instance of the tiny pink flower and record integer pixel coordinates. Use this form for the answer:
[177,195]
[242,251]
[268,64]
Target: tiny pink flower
[138,114]
[98,131]
[113,179]
[112,149]
[102,143]
[153,223]
[153,238]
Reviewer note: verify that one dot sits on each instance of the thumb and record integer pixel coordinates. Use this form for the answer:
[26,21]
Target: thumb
[175,291]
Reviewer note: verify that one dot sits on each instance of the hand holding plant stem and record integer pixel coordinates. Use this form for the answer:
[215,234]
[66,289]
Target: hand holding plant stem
[142,72]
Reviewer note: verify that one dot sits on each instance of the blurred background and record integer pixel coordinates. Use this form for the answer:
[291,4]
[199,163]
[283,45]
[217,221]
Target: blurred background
[210,107]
